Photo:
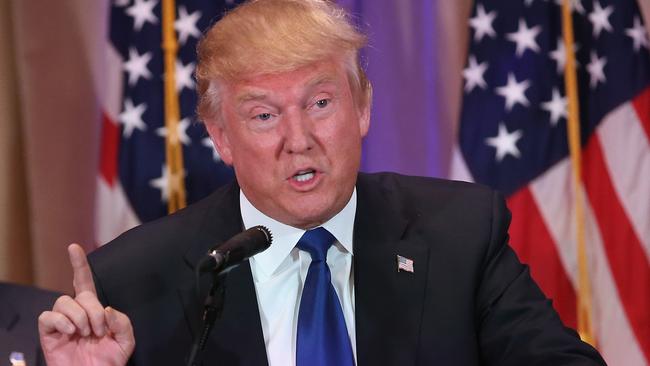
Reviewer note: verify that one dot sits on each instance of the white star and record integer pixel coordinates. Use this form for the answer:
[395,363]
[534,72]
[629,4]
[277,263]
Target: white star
[557,107]
[184,76]
[166,183]
[599,18]
[514,92]
[559,55]
[131,117]
[207,142]
[525,37]
[473,74]
[482,23]
[505,142]
[136,66]
[185,25]
[181,132]
[595,69]
[142,11]
[638,34]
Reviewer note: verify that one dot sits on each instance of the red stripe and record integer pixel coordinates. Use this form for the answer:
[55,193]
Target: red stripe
[108,154]
[642,106]
[626,257]
[533,243]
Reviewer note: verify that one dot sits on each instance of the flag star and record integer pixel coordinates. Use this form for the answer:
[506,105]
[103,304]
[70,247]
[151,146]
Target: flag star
[136,66]
[505,142]
[181,132]
[557,107]
[167,183]
[525,37]
[596,70]
[185,25]
[184,76]
[207,142]
[473,74]
[638,34]
[514,92]
[142,11]
[482,23]
[559,55]
[599,18]
[131,117]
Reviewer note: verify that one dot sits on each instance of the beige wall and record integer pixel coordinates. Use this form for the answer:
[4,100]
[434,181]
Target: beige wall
[49,134]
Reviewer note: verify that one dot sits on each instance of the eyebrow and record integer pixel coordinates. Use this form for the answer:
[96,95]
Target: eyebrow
[251,96]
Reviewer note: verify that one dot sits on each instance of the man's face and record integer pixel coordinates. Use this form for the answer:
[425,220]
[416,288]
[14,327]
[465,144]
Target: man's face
[294,140]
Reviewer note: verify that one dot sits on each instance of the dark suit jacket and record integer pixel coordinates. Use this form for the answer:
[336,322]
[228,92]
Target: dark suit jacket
[20,307]
[469,300]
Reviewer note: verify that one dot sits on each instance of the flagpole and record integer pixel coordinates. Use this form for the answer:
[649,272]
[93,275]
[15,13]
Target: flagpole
[573,128]
[173,147]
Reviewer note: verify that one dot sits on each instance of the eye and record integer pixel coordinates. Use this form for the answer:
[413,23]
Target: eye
[322,103]
[263,116]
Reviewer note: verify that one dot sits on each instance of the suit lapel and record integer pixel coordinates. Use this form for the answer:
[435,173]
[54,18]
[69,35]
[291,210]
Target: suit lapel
[388,303]
[237,337]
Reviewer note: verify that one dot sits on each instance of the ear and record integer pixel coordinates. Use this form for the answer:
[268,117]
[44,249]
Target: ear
[364,120]
[219,137]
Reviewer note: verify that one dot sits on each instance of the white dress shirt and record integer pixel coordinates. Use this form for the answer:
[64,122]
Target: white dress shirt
[279,275]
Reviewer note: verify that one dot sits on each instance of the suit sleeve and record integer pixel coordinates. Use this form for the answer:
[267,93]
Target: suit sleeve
[518,325]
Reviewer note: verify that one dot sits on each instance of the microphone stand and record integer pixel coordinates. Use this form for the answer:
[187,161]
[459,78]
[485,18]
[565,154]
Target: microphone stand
[212,309]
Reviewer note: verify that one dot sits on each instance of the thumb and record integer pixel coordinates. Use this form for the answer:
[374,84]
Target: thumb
[120,325]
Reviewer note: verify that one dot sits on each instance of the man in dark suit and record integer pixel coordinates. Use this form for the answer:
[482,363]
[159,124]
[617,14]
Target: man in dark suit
[19,309]
[417,270]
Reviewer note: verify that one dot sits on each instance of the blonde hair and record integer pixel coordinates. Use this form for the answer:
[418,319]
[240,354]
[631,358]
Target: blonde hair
[274,36]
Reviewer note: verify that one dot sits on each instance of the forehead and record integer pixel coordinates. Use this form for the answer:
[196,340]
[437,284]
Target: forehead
[300,80]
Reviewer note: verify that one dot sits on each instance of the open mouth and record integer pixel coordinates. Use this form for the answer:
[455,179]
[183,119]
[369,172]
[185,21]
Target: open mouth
[304,175]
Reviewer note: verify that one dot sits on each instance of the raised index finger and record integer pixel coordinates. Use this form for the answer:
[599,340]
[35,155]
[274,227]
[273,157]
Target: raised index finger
[83,278]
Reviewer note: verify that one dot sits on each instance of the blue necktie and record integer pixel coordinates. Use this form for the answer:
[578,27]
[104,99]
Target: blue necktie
[322,338]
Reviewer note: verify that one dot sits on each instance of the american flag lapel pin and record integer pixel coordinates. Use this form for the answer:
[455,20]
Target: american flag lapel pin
[17,359]
[404,264]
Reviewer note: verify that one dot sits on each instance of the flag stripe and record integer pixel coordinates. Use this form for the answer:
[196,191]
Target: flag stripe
[108,153]
[642,107]
[629,167]
[628,264]
[613,333]
[533,243]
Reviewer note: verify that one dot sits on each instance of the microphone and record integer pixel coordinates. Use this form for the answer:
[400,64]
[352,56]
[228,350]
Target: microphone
[218,260]
[237,249]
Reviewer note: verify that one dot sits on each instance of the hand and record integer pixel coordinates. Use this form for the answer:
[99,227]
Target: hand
[79,331]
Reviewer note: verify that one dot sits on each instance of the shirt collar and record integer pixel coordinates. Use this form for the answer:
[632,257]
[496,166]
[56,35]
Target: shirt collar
[285,237]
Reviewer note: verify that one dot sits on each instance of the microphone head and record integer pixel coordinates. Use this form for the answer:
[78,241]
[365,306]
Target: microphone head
[239,248]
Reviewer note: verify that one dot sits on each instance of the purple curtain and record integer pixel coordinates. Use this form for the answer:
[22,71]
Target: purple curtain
[411,131]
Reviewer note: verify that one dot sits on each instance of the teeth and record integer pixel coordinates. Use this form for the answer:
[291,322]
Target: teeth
[303,177]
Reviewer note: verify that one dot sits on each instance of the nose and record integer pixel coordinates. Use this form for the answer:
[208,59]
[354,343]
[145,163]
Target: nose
[298,137]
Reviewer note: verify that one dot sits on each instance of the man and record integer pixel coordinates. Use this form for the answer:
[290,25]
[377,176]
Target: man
[418,271]
[19,308]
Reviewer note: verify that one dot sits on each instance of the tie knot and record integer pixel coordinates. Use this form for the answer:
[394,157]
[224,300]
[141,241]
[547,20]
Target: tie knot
[316,242]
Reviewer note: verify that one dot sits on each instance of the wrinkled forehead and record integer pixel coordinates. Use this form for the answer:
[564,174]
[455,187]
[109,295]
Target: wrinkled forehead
[330,74]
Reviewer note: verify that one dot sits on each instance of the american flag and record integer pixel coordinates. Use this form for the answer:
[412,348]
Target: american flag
[513,137]
[133,184]
[404,264]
